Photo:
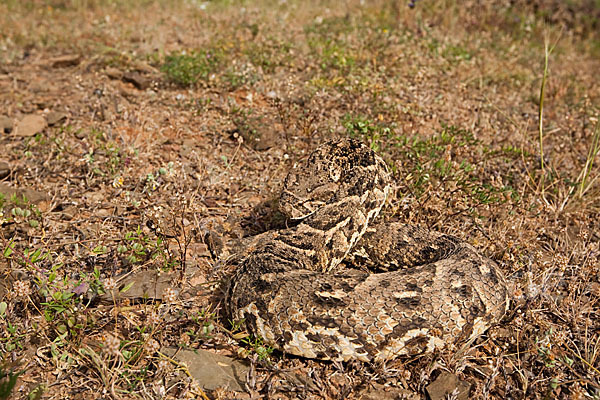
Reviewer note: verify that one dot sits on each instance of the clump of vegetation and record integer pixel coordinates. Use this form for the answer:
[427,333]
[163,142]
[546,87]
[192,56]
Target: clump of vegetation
[8,378]
[187,69]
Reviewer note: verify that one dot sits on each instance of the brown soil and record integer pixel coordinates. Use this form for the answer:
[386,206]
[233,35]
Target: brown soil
[141,141]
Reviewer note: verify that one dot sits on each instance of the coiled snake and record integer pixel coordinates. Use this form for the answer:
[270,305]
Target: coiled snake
[424,290]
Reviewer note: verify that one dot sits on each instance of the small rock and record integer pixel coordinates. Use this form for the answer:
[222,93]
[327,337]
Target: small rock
[54,117]
[4,170]
[65,61]
[33,196]
[142,284]
[145,68]
[6,125]
[138,80]
[113,73]
[38,87]
[70,212]
[448,384]
[30,125]
[212,370]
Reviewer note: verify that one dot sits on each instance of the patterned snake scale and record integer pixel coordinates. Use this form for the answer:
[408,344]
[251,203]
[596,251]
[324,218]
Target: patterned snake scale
[424,290]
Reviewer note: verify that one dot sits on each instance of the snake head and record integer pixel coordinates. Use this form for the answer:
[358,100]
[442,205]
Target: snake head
[332,172]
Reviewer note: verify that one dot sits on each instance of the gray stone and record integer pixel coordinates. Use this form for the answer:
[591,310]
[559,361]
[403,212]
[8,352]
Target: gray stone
[65,61]
[33,196]
[448,384]
[30,125]
[138,80]
[54,117]
[113,73]
[212,370]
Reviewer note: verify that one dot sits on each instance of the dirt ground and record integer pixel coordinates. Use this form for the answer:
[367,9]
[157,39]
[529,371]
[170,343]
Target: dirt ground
[142,143]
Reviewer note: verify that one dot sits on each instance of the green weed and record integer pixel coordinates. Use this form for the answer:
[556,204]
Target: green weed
[13,339]
[236,77]
[205,320]
[269,55]
[575,187]
[257,346]
[236,326]
[335,26]
[456,53]
[428,164]
[187,69]
[584,177]
[366,129]
[138,248]
[8,380]
[328,44]
[21,211]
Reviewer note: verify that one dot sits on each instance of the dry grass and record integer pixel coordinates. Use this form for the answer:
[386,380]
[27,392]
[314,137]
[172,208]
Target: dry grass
[233,92]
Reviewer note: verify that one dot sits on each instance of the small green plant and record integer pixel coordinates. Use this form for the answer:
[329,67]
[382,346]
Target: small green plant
[547,52]
[14,338]
[22,211]
[205,320]
[234,78]
[8,380]
[236,327]
[584,177]
[137,248]
[455,53]
[62,306]
[364,128]
[544,349]
[336,56]
[187,69]
[256,345]
[19,200]
[580,185]
[429,163]
[269,55]
[27,258]
[329,44]
[105,157]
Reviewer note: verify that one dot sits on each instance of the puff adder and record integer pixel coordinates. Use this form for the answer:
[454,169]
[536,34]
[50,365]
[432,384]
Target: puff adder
[423,290]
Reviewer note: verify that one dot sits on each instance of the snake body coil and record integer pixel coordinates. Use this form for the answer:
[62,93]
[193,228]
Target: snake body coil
[428,289]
